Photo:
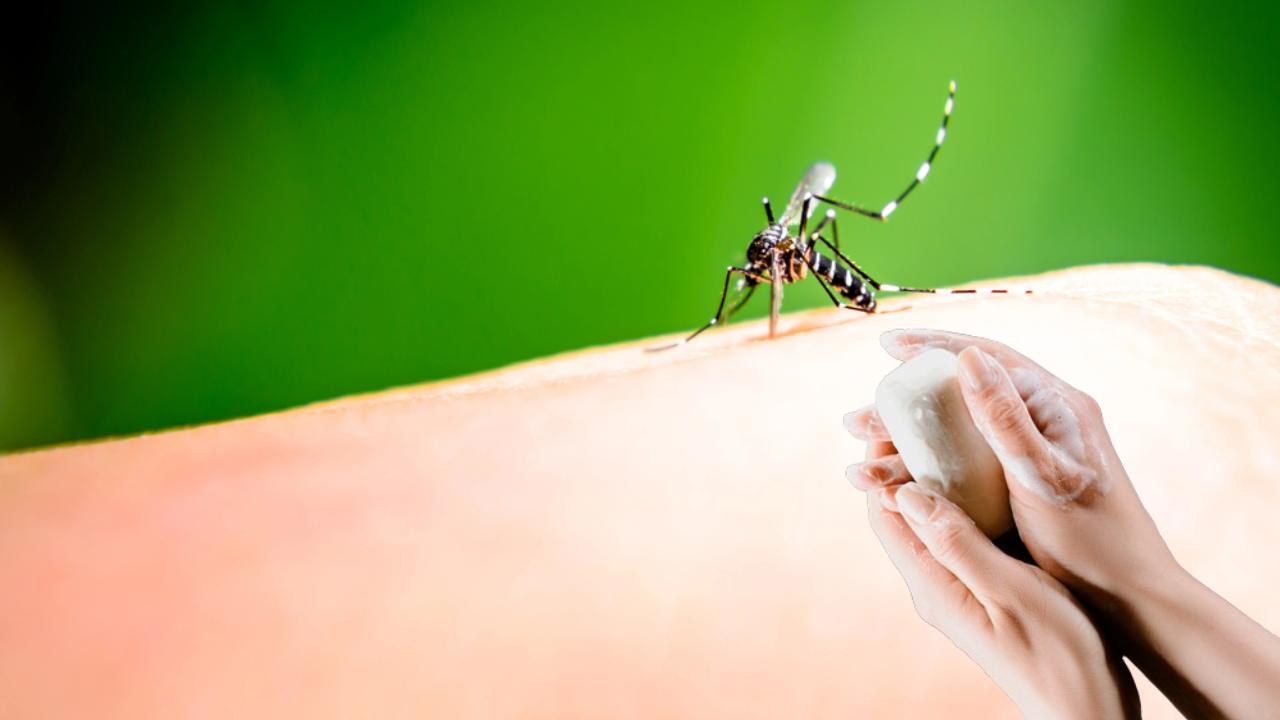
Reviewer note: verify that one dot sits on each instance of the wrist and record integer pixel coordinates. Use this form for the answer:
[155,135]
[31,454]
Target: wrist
[1147,588]
[1068,673]
[1153,599]
[1204,654]
[1073,690]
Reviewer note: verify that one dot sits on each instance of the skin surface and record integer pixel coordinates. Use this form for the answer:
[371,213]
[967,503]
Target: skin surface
[609,533]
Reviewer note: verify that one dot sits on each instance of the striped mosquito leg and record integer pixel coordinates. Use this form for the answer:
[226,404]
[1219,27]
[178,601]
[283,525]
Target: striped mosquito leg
[751,289]
[815,237]
[828,219]
[886,287]
[921,174]
[715,319]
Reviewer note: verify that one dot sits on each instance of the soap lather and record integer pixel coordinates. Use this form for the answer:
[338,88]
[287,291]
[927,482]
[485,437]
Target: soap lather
[923,408]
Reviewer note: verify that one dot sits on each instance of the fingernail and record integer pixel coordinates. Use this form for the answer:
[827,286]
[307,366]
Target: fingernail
[915,503]
[864,423]
[864,475]
[872,425]
[891,338]
[887,499]
[904,344]
[849,425]
[978,370]
[853,474]
[895,341]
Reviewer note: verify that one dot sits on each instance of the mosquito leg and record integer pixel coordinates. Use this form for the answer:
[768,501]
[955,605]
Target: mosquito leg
[805,211]
[921,174]
[743,301]
[724,294]
[815,238]
[886,287]
[805,252]
[828,219]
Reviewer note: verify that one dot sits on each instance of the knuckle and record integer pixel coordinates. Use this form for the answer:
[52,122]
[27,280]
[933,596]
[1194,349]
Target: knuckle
[1089,404]
[1071,483]
[1007,602]
[892,469]
[1009,615]
[949,544]
[1005,411]
[877,471]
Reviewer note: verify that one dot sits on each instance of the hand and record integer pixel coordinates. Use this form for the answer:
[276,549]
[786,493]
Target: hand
[1022,627]
[1072,501]
[1081,520]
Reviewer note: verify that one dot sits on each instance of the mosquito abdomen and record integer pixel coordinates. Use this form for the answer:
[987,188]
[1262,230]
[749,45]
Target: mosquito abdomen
[842,280]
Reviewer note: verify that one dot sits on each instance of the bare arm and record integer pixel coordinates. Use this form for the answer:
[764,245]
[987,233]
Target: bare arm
[604,533]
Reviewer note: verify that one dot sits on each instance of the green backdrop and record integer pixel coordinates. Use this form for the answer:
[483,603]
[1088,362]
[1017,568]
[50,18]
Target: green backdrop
[256,206]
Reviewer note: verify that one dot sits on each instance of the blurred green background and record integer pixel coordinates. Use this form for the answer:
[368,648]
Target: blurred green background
[231,207]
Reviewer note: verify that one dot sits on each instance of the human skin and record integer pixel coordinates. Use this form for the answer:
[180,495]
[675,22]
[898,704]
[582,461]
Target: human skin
[1021,626]
[609,533]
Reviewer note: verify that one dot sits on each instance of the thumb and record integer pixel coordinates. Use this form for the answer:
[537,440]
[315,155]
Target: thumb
[1004,420]
[954,540]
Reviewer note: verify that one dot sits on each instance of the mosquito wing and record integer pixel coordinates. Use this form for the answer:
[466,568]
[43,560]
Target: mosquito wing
[817,180]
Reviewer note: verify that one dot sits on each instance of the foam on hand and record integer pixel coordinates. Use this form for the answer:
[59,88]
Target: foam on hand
[923,409]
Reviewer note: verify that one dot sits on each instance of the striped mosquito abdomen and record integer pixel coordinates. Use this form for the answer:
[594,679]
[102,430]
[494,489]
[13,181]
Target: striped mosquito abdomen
[842,280]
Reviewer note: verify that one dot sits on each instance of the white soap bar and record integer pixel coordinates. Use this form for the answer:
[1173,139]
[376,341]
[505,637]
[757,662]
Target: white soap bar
[925,413]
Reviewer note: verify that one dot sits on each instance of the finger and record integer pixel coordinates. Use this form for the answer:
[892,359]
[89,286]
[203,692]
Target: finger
[937,594]
[877,449]
[1047,396]
[955,541]
[1052,410]
[878,473]
[865,424]
[907,343]
[1001,415]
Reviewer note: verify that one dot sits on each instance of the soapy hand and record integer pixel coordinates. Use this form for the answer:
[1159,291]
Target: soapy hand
[1074,506]
[1080,518]
[1020,625]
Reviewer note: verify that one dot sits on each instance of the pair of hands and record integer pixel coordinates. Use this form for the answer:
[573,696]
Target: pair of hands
[1030,627]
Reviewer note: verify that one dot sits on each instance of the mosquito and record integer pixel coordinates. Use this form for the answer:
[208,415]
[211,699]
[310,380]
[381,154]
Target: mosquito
[776,257]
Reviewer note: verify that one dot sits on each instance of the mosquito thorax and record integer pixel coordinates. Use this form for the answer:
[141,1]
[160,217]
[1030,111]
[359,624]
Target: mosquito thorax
[764,242]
